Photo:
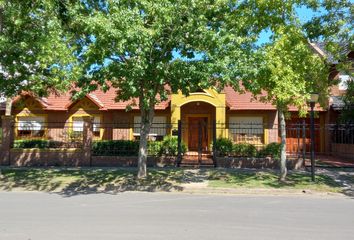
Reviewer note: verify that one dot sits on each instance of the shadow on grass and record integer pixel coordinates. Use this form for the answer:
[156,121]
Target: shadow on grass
[70,182]
[270,179]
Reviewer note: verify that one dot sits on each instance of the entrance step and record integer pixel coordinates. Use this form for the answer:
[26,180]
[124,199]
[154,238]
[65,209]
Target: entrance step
[193,160]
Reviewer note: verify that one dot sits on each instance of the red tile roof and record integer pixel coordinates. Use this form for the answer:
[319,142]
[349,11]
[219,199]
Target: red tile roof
[244,101]
[106,101]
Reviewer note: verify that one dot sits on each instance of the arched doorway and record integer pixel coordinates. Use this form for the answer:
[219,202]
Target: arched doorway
[197,119]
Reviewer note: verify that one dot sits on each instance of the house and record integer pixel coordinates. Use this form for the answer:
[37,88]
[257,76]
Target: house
[204,115]
[236,116]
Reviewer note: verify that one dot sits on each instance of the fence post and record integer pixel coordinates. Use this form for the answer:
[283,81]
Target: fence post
[179,139]
[304,140]
[7,137]
[87,140]
[214,141]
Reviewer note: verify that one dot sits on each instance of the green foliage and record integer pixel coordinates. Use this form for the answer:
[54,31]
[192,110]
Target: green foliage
[154,148]
[347,114]
[169,146]
[33,144]
[223,146]
[74,135]
[244,150]
[272,150]
[34,47]
[115,148]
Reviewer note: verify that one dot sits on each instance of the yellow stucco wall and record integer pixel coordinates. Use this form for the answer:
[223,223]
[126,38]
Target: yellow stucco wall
[210,96]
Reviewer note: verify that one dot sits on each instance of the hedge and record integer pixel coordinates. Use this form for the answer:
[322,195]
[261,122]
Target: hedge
[225,147]
[168,147]
[34,144]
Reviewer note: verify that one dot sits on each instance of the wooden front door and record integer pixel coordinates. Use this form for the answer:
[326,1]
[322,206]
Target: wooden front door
[198,133]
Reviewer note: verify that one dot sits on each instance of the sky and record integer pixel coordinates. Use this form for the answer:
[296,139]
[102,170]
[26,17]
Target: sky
[304,14]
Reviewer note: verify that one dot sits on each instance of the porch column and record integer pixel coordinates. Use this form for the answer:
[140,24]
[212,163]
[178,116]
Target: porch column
[87,141]
[7,137]
[175,117]
[220,117]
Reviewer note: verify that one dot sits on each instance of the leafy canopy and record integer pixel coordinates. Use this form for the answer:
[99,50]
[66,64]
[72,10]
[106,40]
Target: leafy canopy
[290,71]
[143,46]
[34,49]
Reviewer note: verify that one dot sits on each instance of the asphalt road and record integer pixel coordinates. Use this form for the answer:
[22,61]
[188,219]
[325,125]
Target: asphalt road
[170,216]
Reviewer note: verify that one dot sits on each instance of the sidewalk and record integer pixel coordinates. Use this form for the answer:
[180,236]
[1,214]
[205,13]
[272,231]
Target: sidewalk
[331,161]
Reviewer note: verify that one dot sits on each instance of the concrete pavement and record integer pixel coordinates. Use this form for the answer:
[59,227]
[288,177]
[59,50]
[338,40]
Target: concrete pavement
[169,216]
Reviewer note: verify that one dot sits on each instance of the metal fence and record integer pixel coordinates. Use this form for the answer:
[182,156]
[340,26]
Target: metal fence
[343,134]
[1,134]
[47,135]
[197,135]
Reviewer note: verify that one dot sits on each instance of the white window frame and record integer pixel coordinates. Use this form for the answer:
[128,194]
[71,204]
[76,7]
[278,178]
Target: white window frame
[246,124]
[79,125]
[35,124]
[158,130]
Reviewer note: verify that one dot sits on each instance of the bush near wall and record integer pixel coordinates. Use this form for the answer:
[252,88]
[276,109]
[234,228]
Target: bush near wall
[167,147]
[115,148]
[244,150]
[225,147]
[271,150]
[34,144]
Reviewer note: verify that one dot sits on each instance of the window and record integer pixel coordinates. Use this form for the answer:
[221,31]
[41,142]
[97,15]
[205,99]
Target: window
[246,129]
[78,125]
[31,126]
[158,128]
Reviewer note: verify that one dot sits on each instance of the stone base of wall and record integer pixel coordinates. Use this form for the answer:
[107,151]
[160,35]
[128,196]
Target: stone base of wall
[239,162]
[120,161]
[76,158]
[49,157]
[343,150]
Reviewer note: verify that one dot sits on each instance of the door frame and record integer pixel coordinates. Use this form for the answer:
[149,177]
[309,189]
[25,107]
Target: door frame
[207,115]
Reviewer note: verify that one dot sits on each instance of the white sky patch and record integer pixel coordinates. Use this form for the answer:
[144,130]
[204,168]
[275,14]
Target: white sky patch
[343,79]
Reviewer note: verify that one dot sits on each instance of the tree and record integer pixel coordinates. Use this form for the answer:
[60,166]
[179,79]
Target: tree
[285,67]
[347,113]
[289,72]
[150,49]
[34,49]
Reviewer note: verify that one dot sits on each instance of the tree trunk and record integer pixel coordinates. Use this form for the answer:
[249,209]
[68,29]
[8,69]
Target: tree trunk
[283,169]
[8,106]
[145,125]
[1,18]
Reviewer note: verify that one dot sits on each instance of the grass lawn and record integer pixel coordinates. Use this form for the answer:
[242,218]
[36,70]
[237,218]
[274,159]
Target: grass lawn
[81,181]
[269,179]
[84,181]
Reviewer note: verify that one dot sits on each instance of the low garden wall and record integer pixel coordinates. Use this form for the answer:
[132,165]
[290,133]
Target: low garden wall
[131,161]
[76,158]
[48,157]
[343,150]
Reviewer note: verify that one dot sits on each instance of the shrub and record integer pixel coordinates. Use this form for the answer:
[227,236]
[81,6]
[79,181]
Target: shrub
[169,146]
[154,148]
[272,149]
[37,143]
[244,150]
[115,148]
[223,146]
